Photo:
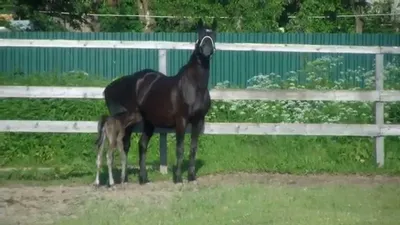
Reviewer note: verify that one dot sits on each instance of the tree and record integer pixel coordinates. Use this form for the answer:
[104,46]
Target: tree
[255,15]
[144,9]
[305,20]
[307,10]
[55,20]
[119,24]
[238,15]
[382,24]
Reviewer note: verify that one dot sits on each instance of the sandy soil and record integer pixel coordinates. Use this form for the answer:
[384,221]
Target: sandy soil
[21,204]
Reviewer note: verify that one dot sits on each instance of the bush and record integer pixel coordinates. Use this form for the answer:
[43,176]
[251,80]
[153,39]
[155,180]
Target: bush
[318,75]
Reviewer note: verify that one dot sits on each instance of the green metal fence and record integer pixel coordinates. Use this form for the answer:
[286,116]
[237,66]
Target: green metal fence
[237,67]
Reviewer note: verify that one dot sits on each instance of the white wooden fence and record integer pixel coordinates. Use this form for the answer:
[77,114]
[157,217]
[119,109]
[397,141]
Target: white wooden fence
[379,96]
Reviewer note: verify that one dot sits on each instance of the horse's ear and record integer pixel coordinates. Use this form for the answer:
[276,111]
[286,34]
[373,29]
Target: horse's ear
[200,24]
[214,24]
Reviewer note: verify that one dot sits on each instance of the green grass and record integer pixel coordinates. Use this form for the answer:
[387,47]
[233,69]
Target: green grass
[251,204]
[217,154]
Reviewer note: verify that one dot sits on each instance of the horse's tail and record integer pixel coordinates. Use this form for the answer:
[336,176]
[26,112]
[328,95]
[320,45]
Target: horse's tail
[100,131]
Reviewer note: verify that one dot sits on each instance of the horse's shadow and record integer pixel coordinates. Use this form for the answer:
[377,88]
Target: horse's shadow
[151,167]
[185,166]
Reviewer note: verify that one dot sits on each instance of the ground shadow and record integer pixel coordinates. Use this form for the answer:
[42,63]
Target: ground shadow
[151,167]
[185,166]
[116,174]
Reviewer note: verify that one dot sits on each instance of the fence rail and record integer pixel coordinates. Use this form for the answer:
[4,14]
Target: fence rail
[216,94]
[323,129]
[61,43]
[379,95]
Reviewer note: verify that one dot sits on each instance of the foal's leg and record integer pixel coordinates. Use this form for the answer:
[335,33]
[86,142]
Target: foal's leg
[98,162]
[148,130]
[180,137]
[120,146]
[196,129]
[110,160]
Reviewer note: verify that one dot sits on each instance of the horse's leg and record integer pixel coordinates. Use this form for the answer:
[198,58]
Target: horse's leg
[180,137]
[126,140]
[196,129]
[120,146]
[148,130]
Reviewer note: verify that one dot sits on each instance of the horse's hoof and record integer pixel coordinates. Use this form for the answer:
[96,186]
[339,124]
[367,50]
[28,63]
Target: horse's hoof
[178,180]
[112,187]
[143,180]
[95,185]
[191,177]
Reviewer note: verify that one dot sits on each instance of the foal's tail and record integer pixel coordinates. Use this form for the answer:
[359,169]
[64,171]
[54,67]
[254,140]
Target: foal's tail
[100,131]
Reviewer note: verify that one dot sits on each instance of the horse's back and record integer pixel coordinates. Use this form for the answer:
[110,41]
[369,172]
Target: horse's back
[120,94]
[125,84]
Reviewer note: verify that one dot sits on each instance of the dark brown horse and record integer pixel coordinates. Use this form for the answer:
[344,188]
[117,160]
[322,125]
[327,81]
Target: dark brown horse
[167,101]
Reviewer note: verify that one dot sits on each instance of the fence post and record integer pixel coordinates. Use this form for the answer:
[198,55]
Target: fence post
[162,67]
[379,110]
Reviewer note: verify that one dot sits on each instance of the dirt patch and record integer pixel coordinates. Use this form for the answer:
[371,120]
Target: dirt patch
[308,180]
[43,205]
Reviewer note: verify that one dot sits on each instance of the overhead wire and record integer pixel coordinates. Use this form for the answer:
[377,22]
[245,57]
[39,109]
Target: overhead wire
[222,17]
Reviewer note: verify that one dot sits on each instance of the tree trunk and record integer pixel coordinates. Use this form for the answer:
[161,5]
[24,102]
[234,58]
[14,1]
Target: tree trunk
[148,22]
[112,2]
[239,24]
[395,8]
[358,9]
[359,24]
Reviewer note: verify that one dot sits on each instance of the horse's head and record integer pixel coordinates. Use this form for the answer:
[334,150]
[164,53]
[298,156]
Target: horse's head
[205,43]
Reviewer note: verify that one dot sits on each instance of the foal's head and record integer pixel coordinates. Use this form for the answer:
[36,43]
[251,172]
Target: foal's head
[205,43]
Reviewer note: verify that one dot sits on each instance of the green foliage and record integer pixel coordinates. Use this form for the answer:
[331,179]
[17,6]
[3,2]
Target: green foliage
[381,24]
[42,22]
[27,9]
[120,24]
[256,15]
[4,23]
[238,15]
[181,8]
[241,15]
[303,22]
[319,75]
[219,153]
[309,8]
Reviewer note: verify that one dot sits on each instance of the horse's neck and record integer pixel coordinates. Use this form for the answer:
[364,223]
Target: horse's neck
[201,72]
[199,60]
